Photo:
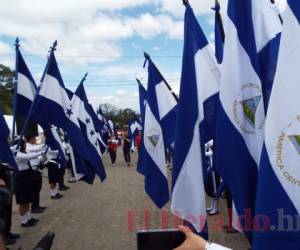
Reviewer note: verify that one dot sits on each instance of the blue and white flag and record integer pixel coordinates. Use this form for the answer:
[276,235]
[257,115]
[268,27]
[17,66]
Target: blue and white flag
[267,29]
[100,115]
[54,141]
[82,110]
[241,115]
[6,155]
[98,128]
[199,84]
[278,186]
[69,93]
[133,127]
[142,100]
[52,106]
[26,87]
[26,90]
[160,116]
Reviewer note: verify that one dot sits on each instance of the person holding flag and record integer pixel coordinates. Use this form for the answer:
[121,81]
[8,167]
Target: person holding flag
[24,183]
[8,161]
[53,173]
[37,165]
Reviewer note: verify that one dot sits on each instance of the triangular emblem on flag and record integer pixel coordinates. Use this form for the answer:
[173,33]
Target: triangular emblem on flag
[295,139]
[153,140]
[250,108]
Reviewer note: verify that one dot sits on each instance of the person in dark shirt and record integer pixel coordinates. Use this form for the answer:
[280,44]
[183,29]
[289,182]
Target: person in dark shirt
[126,148]
[7,182]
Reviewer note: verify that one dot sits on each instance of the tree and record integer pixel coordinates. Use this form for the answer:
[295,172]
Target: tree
[120,117]
[6,89]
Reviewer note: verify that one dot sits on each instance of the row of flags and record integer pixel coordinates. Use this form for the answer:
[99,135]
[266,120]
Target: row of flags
[244,98]
[54,108]
[248,106]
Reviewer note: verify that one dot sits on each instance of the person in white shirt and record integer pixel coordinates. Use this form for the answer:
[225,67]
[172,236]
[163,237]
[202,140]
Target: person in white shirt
[195,242]
[24,184]
[53,173]
[37,165]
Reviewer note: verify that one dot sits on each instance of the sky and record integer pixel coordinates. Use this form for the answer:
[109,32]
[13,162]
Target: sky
[104,38]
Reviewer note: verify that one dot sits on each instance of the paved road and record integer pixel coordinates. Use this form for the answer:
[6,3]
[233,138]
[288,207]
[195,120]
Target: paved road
[104,216]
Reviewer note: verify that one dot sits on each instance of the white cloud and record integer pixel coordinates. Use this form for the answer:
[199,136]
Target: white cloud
[83,27]
[200,7]
[89,28]
[123,71]
[6,59]
[121,93]
[121,99]
[148,26]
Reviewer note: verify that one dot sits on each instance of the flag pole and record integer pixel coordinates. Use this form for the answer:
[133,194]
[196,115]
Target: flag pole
[52,49]
[17,46]
[218,14]
[84,78]
[280,17]
[148,58]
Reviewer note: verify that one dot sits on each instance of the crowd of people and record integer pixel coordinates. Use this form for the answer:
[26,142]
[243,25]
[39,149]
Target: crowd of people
[128,144]
[32,157]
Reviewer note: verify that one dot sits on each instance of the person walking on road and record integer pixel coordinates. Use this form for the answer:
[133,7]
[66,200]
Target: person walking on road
[112,148]
[126,148]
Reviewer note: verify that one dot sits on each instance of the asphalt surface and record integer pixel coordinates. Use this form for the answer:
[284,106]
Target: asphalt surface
[105,216]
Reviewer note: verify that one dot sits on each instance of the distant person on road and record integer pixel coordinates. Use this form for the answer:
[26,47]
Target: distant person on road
[112,148]
[138,141]
[126,148]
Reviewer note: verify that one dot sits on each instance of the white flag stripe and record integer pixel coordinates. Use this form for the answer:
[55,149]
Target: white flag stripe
[25,87]
[266,22]
[208,76]
[185,192]
[52,90]
[165,99]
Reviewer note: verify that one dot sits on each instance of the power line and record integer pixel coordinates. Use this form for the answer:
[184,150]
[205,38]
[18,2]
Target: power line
[95,56]
[88,83]
[103,85]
